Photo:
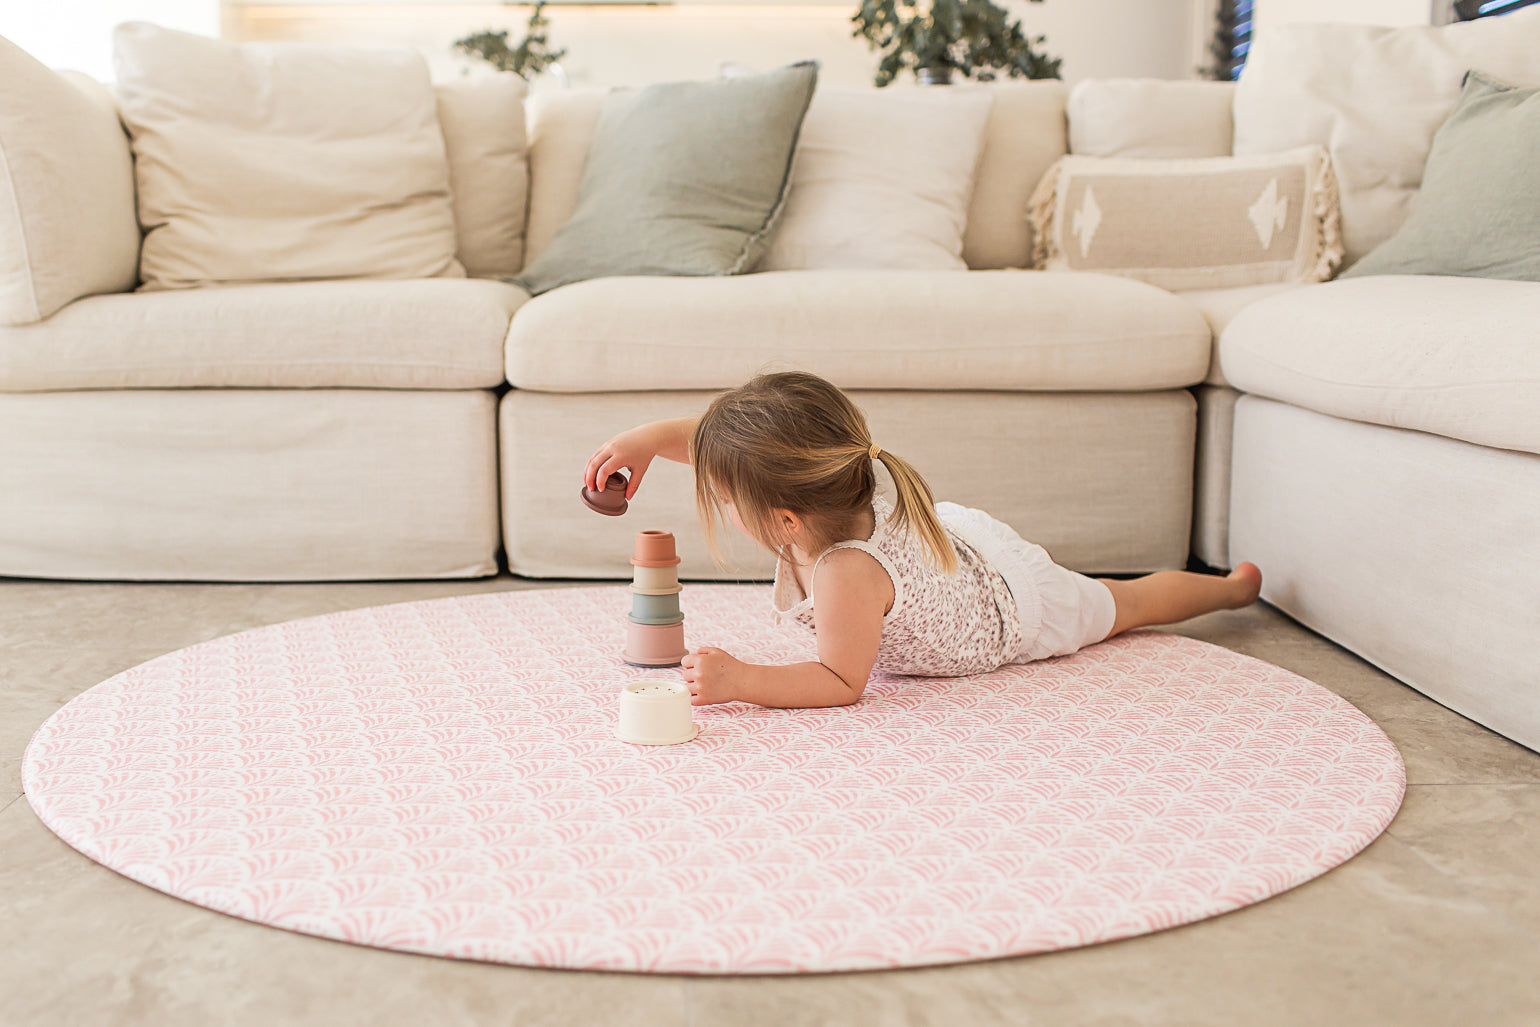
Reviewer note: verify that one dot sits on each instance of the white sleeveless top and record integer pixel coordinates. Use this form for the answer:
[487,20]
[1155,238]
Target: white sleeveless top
[941,625]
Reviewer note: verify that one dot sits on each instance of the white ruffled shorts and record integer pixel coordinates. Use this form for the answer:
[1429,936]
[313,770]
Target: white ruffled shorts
[1061,611]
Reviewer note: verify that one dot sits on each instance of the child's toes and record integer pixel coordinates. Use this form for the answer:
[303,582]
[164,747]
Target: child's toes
[1250,576]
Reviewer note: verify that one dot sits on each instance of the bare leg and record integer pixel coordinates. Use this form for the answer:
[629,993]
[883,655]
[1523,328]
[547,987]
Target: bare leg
[1170,596]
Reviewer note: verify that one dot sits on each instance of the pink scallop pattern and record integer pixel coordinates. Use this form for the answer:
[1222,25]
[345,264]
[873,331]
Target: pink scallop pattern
[443,777]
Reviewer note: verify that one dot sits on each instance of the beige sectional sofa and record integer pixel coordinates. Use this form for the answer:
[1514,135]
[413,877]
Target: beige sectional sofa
[1371,443]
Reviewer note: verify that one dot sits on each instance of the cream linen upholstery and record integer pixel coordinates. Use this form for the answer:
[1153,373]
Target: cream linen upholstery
[862,329]
[1451,356]
[881,178]
[561,127]
[1219,307]
[248,485]
[1211,475]
[425,334]
[1216,411]
[1147,117]
[1104,481]
[1023,135]
[1374,97]
[1417,552]
[282,162]
[67,226]
[482,119]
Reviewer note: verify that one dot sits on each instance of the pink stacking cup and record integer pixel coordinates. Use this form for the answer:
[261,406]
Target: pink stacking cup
[655,549]
[654,645]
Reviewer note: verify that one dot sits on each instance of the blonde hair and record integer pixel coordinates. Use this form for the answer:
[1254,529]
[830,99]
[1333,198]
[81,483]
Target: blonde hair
[794,441]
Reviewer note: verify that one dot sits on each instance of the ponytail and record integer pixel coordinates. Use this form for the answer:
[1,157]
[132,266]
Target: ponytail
[915,508]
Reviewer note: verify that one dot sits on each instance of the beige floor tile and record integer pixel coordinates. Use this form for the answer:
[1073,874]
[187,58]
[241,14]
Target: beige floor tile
[35,680]
[119,615]
[1483,837]
[85,947]
[122,615]
[1383,939]
[955,996]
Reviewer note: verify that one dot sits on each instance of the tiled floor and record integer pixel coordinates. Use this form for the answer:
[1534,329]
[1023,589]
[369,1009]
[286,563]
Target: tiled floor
[1437,922]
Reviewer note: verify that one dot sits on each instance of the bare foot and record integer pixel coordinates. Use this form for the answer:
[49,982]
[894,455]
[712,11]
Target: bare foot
[1248,579]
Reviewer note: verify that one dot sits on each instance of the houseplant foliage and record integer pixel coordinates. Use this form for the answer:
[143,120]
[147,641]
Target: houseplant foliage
[532,56]
[936,38]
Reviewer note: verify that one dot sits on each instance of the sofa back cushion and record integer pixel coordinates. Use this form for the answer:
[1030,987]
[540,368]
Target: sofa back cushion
[1150,117]
[482,119]
[1374,97]
[264,162]
[882,179]
[67,225]
[1023,135]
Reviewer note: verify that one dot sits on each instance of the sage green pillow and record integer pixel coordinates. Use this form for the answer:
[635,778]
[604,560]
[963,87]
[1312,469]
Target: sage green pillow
[1478,211]
[682,178]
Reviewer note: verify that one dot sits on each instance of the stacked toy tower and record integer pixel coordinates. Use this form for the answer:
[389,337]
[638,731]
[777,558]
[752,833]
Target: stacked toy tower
[655,632]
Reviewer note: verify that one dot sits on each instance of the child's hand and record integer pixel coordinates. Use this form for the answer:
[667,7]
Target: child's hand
[634,448]
[712,675]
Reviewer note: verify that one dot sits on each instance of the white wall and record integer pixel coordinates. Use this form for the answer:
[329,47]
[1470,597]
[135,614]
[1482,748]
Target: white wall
[633,45]
[1363,12]
[78,33]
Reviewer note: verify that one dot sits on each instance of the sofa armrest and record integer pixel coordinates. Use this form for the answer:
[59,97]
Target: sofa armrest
[68,227]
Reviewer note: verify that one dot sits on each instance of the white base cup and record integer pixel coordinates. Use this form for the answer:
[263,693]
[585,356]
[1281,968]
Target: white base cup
[655,713]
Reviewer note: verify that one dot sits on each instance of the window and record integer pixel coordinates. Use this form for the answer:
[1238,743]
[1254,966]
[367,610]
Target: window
[1470,10]
[1232,37]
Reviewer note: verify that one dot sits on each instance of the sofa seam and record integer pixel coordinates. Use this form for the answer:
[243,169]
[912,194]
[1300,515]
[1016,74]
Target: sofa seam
[1142,341]
[1318,379]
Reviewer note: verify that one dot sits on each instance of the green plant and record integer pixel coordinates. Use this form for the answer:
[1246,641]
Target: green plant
[975,38]
[532,56]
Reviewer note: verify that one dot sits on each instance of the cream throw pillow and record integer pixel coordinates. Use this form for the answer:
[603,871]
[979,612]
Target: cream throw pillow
[67,225]
[279,162]
[483,123]
[1204,223]
[882,179]
[1374,97]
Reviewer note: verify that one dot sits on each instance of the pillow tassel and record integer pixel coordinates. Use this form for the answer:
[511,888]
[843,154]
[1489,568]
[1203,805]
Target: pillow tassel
[1328,219]
[1040,213]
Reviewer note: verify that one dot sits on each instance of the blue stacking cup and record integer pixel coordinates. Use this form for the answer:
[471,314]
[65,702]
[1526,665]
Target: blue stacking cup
[660,609]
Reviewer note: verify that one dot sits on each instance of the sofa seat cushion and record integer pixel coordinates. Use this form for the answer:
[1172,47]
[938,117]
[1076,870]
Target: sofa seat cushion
[416,334]
[1219,307]
[1450,356]
[864,329]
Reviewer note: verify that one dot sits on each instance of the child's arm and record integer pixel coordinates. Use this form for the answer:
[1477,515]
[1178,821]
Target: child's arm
[636,448]
[854,594]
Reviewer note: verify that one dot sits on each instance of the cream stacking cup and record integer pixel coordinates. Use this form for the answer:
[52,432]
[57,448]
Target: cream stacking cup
[655,713]
[655,626]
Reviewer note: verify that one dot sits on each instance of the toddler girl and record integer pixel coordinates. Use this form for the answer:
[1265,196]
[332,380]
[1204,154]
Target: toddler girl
[907,586]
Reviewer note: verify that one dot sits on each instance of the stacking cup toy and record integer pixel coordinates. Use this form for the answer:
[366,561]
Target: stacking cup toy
[648,608]
[655,713]
[655,645]
[611,501]
[655,549]
[655,628]
[653,580]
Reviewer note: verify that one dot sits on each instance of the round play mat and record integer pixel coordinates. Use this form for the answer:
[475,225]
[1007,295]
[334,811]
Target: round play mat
[443,777]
